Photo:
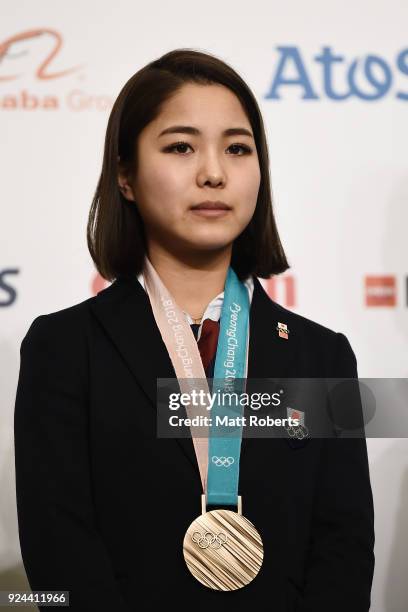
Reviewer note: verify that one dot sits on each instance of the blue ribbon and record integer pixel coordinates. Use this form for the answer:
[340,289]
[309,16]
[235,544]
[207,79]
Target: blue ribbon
[224,448]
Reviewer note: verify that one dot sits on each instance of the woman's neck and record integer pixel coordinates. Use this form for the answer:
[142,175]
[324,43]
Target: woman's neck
[192,279]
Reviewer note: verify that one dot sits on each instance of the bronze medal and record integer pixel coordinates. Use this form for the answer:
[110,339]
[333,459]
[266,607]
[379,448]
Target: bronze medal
[223,550]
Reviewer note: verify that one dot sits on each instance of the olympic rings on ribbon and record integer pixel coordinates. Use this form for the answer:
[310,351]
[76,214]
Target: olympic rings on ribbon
[222,461]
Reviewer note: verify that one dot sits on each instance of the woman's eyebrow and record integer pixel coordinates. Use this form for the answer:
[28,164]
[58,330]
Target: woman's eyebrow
[187,129]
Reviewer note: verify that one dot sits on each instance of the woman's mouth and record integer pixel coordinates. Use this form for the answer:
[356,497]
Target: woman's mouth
[210,212]
[211,209]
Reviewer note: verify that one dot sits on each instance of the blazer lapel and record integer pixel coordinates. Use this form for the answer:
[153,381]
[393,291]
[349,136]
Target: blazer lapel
[270,356]
[125,313]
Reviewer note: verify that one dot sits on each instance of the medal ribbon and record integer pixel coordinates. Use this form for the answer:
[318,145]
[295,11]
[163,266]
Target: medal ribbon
[217,456]
[229,371]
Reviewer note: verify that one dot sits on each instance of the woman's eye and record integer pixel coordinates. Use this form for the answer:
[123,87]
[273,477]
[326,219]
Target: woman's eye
[181,146]
[177,145]
[243,147]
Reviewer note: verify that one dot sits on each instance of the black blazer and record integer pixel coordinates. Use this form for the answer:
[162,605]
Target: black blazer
[103,504]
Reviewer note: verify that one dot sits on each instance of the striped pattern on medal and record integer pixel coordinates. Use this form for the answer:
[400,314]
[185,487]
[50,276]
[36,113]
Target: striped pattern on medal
[223,550]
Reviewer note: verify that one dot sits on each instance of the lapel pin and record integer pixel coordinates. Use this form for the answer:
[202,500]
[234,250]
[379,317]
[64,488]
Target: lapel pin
[283,330]
[300,431]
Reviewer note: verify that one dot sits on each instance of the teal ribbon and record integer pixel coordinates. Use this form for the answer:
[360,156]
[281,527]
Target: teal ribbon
[224,447]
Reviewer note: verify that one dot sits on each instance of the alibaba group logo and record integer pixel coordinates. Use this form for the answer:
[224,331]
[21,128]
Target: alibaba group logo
[16,48]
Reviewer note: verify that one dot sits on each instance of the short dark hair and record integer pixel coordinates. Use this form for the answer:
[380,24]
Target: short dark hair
[115,231]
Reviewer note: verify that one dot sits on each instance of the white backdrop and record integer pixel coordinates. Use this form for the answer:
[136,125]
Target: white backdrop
[339,173]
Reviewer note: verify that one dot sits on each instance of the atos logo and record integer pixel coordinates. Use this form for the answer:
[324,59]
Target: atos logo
[373,70]
[8,294]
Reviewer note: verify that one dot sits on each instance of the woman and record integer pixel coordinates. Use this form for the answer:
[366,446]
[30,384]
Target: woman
[183,207]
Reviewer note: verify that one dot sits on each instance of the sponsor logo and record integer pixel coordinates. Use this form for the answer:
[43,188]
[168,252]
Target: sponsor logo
[31,81]
[369,77]
[281,289]
[380,291]
[8,293]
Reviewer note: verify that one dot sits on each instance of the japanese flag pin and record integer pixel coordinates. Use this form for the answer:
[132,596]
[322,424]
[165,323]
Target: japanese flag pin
[296,414]
[283,330]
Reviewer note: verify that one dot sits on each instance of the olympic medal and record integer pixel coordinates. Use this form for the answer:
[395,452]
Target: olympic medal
[223,550]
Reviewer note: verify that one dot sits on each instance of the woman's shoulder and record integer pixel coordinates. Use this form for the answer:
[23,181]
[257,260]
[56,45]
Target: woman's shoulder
[65,320]
[73,321]
[296,321]
[304,324]
[56,348]
[309,334]
[64,326]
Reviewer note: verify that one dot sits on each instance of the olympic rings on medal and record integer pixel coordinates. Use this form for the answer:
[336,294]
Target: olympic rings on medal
[222,461]
[209,539]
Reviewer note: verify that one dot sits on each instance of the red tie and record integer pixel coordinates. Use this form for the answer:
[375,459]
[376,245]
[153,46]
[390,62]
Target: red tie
[207,343]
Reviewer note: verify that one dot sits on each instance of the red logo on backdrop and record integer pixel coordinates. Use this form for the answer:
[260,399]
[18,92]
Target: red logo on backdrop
[281,289]
[380,290]
[42,71]
[98,284]
[16,53]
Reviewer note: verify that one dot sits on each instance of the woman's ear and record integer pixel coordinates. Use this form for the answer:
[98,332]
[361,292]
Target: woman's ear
[124,183]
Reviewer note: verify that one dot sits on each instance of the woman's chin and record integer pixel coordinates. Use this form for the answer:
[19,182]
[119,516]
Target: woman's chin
[217,238]
[206,246]
[210,243]
[188,238]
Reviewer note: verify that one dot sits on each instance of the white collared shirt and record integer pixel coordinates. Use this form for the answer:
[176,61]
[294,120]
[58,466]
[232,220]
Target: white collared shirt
[213,310]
